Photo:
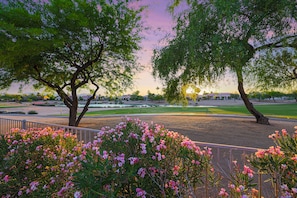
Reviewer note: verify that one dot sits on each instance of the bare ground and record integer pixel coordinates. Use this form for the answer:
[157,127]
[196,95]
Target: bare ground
[240,131]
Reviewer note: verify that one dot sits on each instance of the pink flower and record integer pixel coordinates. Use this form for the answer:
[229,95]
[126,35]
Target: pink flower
[77,194]
[294,158]
[275,151]
[247,171]
[175,170]
[195,162]
[260,153]
[121,159]
[133,160]
[188,144]
[173,185]
[140,193]
[143,148]
[161,145]
[223,192]
[6,178]
[62,191]
[159,156]
[141,172]
[105,155]
[153,171]
[284,132]
[232,186]
[33,185]
[133,136]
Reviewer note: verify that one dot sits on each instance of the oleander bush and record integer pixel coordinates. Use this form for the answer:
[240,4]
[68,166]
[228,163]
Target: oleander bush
[136,159]
[38,163]
[280,163]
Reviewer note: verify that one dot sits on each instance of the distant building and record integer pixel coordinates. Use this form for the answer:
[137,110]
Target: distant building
[84,97]
[126,97]
[219,96]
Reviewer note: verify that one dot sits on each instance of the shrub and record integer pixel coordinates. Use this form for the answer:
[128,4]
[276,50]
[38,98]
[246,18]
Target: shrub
[280,162]
[32,112]
[37,163]
[136,159]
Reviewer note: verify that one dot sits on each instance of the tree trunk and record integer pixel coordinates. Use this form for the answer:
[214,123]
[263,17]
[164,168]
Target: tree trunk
[261,119]
[73,114]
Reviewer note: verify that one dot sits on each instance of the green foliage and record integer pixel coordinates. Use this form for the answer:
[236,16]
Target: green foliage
[135,96]
[155,97]
[69,45]
[275,69]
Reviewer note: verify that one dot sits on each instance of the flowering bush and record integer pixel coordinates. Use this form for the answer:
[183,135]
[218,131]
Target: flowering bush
[280,162]
[241,183]
[38,163]
[136,159]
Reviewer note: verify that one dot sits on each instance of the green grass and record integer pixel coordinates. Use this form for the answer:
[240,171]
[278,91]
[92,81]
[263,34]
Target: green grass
[3,106]
[274,110]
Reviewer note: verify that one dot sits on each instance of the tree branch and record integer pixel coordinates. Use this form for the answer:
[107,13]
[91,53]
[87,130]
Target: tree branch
[278,44]
[88,63]
[87,103]
[67,100]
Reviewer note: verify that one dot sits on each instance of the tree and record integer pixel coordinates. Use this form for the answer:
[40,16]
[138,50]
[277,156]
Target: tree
[68,46]
[154,97]
[294,95]
[274,94]
[215,37]
[135,96]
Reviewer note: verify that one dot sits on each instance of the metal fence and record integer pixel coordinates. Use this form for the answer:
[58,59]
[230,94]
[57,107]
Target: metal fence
[223,155]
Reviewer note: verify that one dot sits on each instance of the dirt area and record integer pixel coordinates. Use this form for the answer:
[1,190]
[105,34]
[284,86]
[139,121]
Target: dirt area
[240,131]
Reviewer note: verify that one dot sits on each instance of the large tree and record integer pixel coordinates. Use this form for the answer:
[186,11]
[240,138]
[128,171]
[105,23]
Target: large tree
[218,36]
[69,45]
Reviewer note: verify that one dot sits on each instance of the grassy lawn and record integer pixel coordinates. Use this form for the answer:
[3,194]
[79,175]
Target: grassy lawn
[13,106]
[275,110]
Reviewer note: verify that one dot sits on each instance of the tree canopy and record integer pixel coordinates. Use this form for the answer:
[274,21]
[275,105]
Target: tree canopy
[69,45]
[217,36]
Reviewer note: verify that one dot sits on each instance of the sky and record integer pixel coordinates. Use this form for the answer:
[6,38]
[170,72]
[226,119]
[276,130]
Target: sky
[160,22]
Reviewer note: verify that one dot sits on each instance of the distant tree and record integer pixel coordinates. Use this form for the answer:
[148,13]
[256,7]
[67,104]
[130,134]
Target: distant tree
[135,96]
[234,96]
[294,95]
[69,45]
[256,95]
[215,37]
[155,97]
[274,94]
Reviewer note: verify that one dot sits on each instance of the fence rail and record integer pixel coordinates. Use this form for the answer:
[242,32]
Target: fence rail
[222,161]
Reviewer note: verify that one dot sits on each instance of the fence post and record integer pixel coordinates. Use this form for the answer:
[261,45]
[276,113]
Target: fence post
[24,124]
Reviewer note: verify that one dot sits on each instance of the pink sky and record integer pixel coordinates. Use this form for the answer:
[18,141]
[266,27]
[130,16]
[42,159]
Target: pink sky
[160,22]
